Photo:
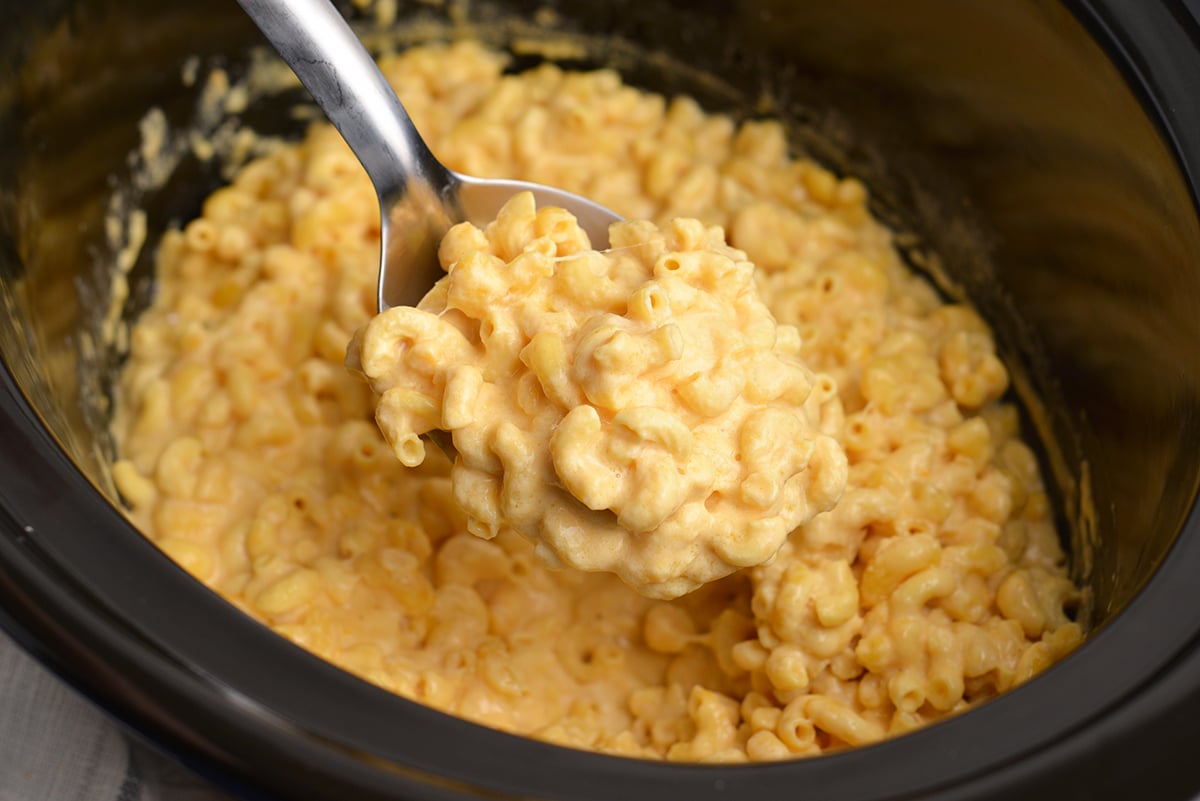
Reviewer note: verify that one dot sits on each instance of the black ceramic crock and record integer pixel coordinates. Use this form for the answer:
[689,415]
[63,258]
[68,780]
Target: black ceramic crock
[1046,153]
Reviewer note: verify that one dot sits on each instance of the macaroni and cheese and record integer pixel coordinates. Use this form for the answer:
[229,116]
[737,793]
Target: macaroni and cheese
[636,411]
[250,456]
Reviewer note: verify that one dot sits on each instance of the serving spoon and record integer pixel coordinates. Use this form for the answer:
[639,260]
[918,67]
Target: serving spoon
[419,198]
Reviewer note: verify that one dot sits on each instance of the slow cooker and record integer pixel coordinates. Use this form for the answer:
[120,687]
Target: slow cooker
[1039,158]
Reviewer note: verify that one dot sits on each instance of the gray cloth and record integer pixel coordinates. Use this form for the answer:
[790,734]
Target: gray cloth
[56,746]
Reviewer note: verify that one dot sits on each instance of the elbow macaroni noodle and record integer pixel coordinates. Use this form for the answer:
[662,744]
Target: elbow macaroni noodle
[636,411]
[249,454]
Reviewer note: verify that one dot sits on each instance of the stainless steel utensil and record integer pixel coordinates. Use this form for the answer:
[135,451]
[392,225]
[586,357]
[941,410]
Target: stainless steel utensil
[419,198]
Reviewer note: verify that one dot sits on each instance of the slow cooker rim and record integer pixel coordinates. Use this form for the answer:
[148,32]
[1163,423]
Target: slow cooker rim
[1155,76]
[50,609]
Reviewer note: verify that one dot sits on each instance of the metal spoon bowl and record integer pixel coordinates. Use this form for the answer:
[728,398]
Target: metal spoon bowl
[419,198]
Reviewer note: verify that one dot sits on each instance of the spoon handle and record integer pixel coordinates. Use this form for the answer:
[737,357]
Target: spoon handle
[313,38]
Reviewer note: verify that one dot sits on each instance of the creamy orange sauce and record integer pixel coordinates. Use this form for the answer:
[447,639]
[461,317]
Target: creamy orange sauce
[250,455]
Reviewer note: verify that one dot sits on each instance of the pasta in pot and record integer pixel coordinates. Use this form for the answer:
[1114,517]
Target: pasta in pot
[249,454]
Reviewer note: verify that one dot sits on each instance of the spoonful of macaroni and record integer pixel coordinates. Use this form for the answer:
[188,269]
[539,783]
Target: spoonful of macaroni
[419,198]
[635,410]
[616,392]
